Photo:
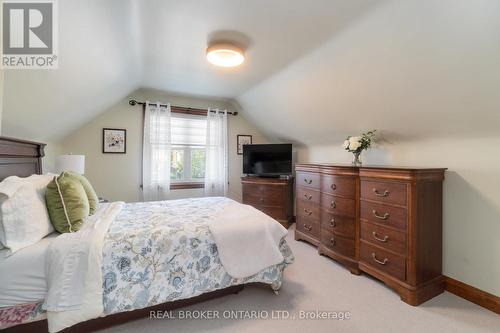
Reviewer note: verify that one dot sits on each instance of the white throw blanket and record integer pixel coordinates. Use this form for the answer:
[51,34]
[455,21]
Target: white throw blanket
[73,271]
[247,239]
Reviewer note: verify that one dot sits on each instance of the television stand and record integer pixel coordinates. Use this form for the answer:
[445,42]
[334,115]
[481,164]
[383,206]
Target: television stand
[272,196]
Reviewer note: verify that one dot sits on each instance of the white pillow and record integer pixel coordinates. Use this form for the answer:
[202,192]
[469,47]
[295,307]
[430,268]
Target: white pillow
[40,182]
[23,213]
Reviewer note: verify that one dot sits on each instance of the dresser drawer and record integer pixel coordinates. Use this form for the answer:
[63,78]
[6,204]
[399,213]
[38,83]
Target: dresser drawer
[340,225]
[339,206]
[263,200]
[386,215]
[306,179]
[308,227]
[382,260]
[339,185]
[307,210]
[270,195]
[308,195]
[389,192]
[276,213]
[387,238]
[338,244]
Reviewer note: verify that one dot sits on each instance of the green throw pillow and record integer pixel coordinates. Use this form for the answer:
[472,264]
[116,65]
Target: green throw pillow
[89,190]
[67,203]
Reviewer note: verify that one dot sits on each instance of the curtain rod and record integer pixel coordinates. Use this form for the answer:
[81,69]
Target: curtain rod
[133,102]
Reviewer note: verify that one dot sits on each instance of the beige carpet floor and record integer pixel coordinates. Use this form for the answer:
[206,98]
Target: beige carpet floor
[317,283]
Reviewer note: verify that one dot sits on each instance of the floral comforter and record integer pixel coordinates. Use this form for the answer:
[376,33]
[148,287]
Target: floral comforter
[156,252]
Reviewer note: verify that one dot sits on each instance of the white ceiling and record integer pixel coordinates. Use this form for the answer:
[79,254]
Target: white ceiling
[316,70]
[175,35]
[98,65]
[411,69]
[108,48]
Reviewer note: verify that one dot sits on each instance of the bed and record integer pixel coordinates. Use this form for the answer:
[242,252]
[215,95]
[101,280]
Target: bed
[155,256]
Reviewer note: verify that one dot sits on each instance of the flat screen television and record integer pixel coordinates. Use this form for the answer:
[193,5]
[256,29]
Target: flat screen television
[270,160]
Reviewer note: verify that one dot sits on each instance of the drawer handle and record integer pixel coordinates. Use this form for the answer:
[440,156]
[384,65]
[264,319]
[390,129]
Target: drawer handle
[332,241]
[308,181]
[332,223]
[384,217]
[378,194]
[333,187]
[383,240]
[308,227]
[333,204]
[308,212]
[308,197]
[381,262]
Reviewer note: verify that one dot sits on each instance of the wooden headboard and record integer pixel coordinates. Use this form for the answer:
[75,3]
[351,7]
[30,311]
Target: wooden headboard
[20,157]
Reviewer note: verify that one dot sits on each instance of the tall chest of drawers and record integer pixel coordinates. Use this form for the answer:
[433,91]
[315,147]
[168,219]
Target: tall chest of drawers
[384,221]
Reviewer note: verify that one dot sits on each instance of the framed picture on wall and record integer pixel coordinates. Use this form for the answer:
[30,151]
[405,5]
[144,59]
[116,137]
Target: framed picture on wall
[243,139]
[114,141]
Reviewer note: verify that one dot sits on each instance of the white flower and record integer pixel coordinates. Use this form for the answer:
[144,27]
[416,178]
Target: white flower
[354,143]
[346,144]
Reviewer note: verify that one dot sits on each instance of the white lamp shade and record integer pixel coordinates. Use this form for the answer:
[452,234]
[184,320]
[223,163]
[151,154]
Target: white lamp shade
[75,163]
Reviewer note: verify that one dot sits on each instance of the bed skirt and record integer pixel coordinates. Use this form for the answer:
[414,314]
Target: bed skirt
[27,319]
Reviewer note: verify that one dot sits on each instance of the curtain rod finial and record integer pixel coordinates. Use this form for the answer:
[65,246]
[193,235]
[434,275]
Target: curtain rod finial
[132,102]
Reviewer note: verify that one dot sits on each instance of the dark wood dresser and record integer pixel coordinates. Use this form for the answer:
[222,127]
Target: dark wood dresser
[273,196]
[384,221]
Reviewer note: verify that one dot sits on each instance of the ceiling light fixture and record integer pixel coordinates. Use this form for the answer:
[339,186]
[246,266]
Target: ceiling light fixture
[225,55]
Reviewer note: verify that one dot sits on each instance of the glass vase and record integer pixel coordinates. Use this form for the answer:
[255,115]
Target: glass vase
[356,159]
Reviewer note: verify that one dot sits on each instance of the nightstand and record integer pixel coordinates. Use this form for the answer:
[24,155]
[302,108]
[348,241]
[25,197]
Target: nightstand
[272,196]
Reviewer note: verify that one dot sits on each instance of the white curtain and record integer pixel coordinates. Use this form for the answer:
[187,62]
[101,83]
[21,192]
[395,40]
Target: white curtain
[156,152]
[216,163]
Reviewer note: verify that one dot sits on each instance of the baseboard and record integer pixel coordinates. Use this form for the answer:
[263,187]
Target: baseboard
[472,294]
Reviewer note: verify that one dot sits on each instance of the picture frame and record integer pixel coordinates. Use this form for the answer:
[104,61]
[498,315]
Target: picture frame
[114,141]
[242,139]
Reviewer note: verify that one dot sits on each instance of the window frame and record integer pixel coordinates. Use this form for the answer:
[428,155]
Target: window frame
[187,159]
[183,185]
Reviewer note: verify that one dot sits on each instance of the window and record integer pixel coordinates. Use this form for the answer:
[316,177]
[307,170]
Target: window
[187,162]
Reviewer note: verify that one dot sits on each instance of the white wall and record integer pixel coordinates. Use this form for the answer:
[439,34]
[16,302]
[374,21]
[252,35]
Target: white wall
[471,212]
[52,149]
[426,73]
[117,176]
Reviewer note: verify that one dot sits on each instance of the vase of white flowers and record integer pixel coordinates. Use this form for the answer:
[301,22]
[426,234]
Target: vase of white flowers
[356,144]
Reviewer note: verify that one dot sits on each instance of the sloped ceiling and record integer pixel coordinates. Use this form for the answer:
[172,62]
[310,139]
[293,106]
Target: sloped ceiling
[175,34]
[315,70]
[108,48]
[98,65]
[411,69]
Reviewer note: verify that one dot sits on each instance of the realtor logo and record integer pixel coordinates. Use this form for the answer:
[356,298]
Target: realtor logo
[29,35]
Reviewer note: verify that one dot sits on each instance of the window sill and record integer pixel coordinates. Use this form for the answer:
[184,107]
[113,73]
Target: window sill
[186,185]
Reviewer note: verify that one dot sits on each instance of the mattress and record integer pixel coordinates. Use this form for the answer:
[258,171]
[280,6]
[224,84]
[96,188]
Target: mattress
[22,275]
